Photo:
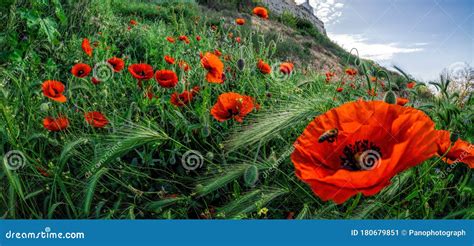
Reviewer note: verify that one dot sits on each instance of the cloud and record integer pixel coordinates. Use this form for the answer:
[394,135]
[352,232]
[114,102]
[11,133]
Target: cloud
[420,44]
[327,11]
[374,51]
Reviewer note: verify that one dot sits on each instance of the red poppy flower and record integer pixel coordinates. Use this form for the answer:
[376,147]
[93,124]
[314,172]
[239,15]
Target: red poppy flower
[213,27]
[261,12]
[373,79]
[133,22]
[217,52]
[169,59]
[56,124]
[358,148]
[240,21]
[181,99]
[170,39]
[149,93]
[238,40]
[95,81]
[195,90]
[184,38]
[166,78]
[340,89]
[184,66]
[232,105]
[54,90]
[214,67]
[372,92]
[96,119]
[286,67]
[86,47]
[411,85]
[227,57]
[141,71]
[198,38]
[264,67]
[402,101]
[460,151]
[117,64]
[329,76]
[351,71]
[81,70]
[42,171]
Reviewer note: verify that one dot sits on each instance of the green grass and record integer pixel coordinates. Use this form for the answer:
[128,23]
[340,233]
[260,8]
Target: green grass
[132,168]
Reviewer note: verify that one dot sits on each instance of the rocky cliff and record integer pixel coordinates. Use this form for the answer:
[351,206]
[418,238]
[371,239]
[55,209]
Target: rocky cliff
[304,11]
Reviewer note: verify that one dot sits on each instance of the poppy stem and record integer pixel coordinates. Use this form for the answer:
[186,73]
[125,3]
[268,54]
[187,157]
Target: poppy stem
[357,59]
[384,73]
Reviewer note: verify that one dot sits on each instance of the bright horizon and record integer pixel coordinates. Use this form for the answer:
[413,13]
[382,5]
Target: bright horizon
[422,37]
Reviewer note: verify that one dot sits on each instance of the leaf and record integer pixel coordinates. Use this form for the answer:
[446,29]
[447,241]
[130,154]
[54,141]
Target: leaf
[48,28]
[90,190]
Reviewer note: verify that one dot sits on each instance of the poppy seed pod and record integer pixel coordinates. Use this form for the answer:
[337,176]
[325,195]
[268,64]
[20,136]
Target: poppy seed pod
[454,137]
[241,64]
[390,97]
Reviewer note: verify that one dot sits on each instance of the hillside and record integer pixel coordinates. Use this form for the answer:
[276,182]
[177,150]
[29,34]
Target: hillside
[134,109]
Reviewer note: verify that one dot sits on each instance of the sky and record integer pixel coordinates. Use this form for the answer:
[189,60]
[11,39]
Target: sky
[420,36]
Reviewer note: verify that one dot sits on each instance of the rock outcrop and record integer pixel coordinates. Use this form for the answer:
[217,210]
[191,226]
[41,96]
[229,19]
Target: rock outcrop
[304,11]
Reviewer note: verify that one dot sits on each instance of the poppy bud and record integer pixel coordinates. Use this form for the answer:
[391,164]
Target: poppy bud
[390,97]
[44,107]
[210,155]
[241,64]
[454,137]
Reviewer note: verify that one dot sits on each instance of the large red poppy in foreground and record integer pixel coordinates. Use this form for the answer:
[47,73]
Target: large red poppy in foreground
[359,146]
[460,151]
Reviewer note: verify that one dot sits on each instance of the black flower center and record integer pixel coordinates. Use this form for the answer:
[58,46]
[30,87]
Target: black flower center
[362,155]
[232,112]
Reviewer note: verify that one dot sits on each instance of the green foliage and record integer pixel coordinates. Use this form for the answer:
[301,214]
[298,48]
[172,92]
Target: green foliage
[132,169]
